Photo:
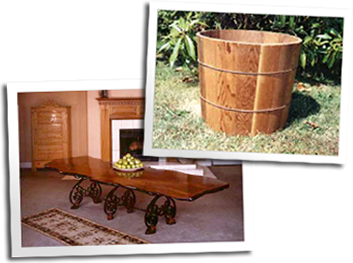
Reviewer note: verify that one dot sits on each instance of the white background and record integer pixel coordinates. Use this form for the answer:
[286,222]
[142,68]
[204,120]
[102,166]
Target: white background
[302,213]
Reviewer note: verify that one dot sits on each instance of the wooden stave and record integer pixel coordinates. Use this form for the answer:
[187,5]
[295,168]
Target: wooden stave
[284,58]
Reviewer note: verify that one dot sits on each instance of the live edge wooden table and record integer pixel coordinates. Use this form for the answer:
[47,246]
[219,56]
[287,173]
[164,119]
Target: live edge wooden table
[165,184]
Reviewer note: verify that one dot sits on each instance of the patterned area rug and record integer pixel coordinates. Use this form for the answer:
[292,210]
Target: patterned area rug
[73,230]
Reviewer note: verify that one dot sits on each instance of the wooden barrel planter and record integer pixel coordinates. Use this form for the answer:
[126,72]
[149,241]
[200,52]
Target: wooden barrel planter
[246,79]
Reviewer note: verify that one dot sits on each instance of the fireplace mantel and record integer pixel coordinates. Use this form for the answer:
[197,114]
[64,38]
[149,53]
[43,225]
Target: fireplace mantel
[117,109]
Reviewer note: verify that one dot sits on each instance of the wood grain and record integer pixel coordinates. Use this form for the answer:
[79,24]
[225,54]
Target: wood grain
[164,182]
[51,135]
[239,69]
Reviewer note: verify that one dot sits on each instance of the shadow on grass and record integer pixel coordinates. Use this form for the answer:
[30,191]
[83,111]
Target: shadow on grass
[301,107]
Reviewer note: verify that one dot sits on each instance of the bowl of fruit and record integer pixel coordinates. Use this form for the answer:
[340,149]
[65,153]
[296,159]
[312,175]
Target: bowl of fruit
[128,164]
[129,174]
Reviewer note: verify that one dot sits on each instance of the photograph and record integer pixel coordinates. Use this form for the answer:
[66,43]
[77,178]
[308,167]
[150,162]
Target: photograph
[83,180]
[177,131]
[234,82]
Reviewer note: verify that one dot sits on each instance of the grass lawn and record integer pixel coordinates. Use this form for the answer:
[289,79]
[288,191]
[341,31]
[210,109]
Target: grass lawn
[312,127]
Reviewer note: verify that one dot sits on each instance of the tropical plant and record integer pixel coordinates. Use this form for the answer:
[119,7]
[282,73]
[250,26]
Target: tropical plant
[321,53]
[180,43]
[165,18]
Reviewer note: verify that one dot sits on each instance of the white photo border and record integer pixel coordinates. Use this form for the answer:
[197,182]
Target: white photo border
[252,9]
[14,167]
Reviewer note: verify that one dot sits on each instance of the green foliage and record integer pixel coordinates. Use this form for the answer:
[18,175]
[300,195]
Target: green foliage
[321,53]
[320,58]
[180,42]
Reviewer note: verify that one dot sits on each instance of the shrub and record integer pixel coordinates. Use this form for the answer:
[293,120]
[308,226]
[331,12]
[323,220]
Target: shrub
[180,42]
[321,54]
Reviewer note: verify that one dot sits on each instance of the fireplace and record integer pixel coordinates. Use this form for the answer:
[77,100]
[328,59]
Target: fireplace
[127,137]
[122,116]
[131,141]
[116,114]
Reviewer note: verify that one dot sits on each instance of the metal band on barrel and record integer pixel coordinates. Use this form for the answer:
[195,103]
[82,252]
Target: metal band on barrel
[241,110]
[246,73]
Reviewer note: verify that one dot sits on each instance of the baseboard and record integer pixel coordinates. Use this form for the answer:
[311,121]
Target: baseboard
[26,165]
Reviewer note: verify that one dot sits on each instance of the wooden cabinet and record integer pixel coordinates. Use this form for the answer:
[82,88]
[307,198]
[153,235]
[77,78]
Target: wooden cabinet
[51,137]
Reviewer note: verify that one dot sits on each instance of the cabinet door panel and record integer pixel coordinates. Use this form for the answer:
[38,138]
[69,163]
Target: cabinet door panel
[49,118]
[49,141]
[50,134]
[55,127]
[50,147]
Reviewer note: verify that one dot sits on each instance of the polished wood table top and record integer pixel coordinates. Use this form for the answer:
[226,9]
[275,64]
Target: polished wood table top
[164,182]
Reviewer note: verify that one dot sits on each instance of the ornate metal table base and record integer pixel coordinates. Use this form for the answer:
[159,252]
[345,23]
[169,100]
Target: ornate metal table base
[128,200]
[112,202]
[78,193]
[168,210]
[163,186]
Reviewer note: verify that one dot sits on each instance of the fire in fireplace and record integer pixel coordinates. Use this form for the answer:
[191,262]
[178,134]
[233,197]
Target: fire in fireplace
[131,141]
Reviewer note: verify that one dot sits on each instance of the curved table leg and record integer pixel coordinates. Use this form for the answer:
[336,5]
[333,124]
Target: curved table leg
[129,200]
[111,204]
[95,192]
[168,209]
[77,193]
